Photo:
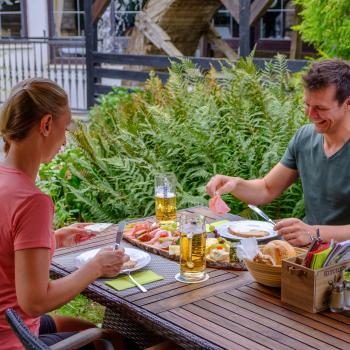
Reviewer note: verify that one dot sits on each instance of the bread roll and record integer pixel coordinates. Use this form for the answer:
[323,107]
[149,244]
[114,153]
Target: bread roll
[279,250]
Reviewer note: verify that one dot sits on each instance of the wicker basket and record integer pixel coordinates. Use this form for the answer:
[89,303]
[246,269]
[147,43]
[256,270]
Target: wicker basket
[266,274]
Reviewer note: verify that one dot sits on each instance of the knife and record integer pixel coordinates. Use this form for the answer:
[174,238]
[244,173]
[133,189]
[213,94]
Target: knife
[261,213]
[119,235]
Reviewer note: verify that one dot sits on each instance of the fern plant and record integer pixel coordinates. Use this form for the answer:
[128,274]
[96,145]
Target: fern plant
[236,122]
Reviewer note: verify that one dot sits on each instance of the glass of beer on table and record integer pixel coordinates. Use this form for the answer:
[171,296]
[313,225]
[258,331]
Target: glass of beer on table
[165,196]
[192,248]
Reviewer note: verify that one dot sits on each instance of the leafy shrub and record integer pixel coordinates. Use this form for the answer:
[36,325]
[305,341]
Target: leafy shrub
[234,122]
[326,25]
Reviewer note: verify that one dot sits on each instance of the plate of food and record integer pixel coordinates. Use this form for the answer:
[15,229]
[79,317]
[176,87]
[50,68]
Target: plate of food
[138,259]
[261,230]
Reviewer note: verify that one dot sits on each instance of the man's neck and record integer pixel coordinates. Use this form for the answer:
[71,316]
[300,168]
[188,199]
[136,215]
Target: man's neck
[335,140]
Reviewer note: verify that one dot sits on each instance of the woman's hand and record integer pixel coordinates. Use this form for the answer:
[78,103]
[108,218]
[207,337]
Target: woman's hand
[220,184]
[109,262]
[73,235]
[295,231]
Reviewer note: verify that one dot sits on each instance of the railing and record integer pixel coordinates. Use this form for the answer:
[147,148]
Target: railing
[60,60]
[108,69]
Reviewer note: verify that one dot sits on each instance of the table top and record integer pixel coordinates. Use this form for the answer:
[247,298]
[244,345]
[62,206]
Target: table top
[228,311]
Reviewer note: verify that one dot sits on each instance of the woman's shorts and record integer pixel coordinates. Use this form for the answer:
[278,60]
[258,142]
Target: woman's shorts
[49,336]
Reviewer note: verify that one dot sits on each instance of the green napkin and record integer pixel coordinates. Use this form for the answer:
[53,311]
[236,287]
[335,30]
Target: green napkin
[143,277]
[211,227]
[318,259]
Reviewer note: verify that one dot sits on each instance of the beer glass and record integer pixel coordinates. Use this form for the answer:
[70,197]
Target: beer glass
[192,249]
[165,198]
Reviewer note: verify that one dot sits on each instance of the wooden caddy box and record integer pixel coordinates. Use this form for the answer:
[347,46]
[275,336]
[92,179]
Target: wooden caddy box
[308,289]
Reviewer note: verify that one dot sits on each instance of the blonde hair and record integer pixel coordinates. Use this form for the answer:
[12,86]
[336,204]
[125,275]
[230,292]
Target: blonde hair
[28,102]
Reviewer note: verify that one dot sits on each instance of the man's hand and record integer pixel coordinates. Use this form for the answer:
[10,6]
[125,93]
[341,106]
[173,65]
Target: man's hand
[72,235]
[295,231]
[220,184]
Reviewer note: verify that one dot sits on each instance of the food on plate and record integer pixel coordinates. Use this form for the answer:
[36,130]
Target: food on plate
[279,250]
[219,254]
[209,242]
[129,264]
[247,234]
[217,249]
[152,234]
[218,206]
[174,249]
[264,259]
[233,252]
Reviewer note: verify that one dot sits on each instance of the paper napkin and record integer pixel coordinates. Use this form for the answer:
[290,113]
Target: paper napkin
[143,277]
[211,227]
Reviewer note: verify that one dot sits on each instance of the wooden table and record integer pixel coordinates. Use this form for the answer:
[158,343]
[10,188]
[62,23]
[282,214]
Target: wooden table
[229,311]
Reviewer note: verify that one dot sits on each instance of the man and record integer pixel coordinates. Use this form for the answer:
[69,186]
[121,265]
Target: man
[319,153]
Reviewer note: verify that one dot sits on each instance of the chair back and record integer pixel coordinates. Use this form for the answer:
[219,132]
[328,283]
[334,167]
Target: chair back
[23,333]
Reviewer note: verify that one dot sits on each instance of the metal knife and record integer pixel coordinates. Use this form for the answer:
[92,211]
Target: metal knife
[261,213]
[119,235]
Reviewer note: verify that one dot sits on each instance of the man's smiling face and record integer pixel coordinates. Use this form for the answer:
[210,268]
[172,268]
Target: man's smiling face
[323,110]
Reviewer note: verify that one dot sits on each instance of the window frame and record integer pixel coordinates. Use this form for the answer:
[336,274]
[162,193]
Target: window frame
[51,23]
[24,22]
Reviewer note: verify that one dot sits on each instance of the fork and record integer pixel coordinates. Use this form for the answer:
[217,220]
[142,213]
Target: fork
[137,284]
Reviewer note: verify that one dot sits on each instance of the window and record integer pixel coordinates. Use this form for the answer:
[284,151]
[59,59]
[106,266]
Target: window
[12,18]
[277,21]
[225,24]
[66,18]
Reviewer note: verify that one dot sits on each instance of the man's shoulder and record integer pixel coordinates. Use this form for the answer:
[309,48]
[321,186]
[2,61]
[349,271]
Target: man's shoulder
[306,133]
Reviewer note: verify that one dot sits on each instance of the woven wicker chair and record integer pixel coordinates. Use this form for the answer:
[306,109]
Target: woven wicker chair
[31,342]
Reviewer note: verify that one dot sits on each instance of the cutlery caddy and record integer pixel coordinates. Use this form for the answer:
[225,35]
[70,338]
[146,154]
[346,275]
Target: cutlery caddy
[308,289]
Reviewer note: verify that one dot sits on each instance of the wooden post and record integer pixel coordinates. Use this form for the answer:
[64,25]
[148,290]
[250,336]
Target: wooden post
[244,28]
[89,47]
[296,43]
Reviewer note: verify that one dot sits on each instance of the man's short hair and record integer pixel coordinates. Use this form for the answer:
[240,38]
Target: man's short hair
[325,73]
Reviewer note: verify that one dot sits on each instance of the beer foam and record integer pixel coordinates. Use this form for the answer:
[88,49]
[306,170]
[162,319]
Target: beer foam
[162,192]
[191,229]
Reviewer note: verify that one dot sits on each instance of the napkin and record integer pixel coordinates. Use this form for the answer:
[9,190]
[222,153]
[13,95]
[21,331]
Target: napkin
[211,227]
[247,249]
[143,277]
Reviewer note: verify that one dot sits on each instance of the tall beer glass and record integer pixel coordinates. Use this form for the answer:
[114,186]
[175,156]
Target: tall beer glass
[165,197]
[192,249]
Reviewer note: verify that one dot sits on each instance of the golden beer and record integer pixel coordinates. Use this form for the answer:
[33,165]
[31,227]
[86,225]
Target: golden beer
[165,208]
[192,248]
[192,255]
[165,198]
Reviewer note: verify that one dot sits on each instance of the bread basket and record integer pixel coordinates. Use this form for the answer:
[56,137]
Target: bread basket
[266,274]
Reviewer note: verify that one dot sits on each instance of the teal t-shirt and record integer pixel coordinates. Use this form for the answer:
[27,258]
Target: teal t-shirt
[326,181]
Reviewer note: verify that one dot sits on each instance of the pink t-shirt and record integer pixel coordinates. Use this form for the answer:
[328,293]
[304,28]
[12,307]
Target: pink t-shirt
[26,221]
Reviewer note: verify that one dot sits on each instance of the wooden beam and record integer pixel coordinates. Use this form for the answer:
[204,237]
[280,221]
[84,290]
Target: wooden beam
[213,36]
[98,8]
[153,32]
[257,9]
[232,6]
[296,43]
[244,28]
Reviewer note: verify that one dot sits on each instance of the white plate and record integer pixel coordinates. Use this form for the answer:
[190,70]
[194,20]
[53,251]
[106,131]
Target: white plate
[244,226]
[142,258]
[98,227]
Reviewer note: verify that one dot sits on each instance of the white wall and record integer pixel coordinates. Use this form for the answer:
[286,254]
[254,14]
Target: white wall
[37,17]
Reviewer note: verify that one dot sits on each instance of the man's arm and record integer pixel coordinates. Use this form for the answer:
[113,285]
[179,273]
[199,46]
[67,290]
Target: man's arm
[258,191]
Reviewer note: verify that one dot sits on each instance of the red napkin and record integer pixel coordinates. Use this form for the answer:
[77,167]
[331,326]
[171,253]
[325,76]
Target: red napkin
[319,247]
[218,206]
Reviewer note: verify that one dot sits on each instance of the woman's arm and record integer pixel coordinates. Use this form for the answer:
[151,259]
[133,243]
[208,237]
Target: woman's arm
[37,294]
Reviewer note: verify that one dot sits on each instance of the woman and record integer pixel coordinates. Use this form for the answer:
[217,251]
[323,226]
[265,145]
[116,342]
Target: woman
[33,122]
